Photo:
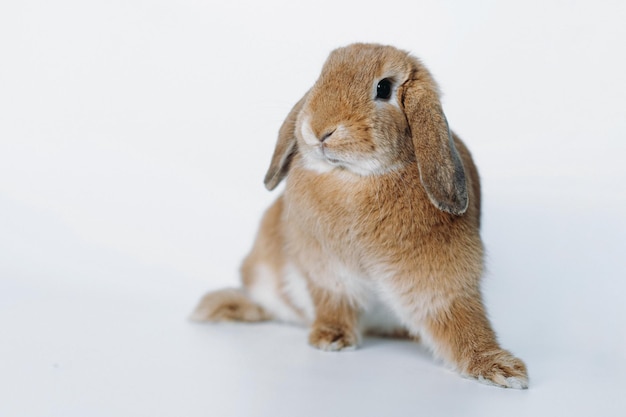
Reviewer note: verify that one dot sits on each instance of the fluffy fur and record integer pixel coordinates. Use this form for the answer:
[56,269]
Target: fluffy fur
[378,227]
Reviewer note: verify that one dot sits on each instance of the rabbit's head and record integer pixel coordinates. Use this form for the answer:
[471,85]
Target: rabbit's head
[373,110]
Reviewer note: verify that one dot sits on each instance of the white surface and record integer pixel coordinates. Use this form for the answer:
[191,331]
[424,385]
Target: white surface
[134,137]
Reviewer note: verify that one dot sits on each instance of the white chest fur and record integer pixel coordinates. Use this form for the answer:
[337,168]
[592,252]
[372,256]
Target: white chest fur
[368,295]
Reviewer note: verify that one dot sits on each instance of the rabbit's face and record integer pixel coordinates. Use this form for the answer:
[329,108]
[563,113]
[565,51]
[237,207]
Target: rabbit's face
[352,118]
[373,110]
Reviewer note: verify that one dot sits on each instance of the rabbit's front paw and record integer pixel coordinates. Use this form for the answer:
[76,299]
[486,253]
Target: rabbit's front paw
[499,368]
[333,337]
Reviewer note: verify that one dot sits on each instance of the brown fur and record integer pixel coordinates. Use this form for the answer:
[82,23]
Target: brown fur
[229,305]
[335,325]
[380,195]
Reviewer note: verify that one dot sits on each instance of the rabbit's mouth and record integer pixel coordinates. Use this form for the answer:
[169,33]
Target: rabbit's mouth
[329,157]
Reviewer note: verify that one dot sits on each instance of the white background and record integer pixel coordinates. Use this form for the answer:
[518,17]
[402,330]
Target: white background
[134,136]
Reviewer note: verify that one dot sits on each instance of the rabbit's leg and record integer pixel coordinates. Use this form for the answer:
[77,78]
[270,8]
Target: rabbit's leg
[461,333]
[229,305]
[335,324]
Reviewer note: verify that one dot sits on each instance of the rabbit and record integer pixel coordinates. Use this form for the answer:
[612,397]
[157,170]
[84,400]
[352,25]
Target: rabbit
[378,225]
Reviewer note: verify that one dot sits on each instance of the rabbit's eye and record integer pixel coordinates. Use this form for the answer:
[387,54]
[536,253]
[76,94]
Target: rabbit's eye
[383,89]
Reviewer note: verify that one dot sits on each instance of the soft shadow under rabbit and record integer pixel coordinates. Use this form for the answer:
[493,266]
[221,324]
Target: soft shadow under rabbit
[378,226]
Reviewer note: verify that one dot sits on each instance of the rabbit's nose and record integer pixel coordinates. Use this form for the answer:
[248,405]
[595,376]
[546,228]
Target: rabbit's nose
[326,135]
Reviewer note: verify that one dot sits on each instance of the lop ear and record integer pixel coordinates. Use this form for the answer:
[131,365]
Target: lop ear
[286,148]
[440,166]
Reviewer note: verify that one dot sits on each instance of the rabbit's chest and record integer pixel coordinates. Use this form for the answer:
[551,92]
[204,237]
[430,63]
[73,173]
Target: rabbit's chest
[356,220]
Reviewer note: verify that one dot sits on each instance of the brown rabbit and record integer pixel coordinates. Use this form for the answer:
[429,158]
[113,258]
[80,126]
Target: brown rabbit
[378,227]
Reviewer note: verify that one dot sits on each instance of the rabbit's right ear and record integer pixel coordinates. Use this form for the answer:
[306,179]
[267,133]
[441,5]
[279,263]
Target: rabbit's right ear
[286,148]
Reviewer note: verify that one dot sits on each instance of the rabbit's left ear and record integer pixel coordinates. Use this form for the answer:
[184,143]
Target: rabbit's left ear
[440,166]
[286,148]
